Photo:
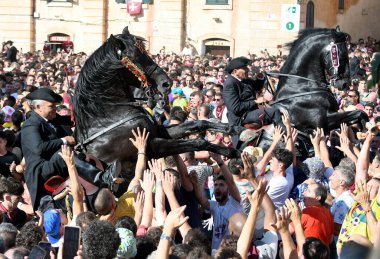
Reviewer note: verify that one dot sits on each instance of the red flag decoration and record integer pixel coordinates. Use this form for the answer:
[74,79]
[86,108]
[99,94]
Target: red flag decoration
[134,8]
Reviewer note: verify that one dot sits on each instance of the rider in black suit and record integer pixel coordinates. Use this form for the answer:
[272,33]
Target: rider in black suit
[41,142]
[240,98]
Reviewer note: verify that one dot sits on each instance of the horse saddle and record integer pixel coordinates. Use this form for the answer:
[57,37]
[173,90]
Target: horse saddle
[58,186]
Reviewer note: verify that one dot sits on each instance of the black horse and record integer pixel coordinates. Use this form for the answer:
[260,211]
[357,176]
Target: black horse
[107,105]
[315,58]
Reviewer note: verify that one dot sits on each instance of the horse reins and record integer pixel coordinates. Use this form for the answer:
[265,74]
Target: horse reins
[140,75]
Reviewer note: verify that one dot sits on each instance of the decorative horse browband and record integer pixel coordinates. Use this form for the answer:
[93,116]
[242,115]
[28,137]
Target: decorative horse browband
[136,71]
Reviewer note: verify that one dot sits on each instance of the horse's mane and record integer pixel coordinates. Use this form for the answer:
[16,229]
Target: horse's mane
[305,34]
[100,84]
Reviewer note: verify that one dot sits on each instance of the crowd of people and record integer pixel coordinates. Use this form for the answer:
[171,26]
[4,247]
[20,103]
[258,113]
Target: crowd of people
[271,203]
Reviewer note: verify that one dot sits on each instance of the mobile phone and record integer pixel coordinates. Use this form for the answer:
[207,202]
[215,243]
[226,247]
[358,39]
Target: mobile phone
[46,246]
[71,239]
[37,253]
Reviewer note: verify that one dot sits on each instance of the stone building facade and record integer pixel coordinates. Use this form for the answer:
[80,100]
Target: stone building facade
[235,27]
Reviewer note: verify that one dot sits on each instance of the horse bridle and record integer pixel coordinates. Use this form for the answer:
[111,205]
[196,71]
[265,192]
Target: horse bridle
[334,55]
[149,92]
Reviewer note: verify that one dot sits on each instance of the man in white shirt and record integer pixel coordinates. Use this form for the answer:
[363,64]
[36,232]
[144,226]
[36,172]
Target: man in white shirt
[227,201]
[281,178]
[339,183]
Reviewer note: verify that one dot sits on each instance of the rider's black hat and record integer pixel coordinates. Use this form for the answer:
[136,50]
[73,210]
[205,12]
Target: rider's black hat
[45,94]
[237,63]
[9,42]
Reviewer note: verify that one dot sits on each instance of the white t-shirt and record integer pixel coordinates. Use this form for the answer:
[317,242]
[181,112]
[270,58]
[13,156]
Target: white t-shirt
[267,246]
[221,216]
[280,186]
[340,207]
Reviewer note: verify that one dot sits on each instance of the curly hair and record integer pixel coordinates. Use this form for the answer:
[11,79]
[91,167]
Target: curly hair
[11,186]
[100,240]
[29,236]
[145,246]
[197,238]
[128,223]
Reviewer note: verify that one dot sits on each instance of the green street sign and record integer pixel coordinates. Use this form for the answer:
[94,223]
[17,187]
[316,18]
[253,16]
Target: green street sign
[289,26]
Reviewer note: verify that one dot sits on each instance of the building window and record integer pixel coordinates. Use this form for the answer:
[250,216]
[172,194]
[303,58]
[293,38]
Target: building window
[216,2]
[310,15]
[341,5]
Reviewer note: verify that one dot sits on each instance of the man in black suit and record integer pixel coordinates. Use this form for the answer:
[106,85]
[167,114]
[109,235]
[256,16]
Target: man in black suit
[41,141]
[11,52]
[240,98]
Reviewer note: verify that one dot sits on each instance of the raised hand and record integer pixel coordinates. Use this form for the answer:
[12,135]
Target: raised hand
[282,220]
[138,203]
[344,144]
[249,167]
[140,140]
[67,155]
[294,210]
[286,119]
[317,137]
[216,157]
[155,167]
[362,196]
[294,134]
[343,130]
[174,220]
[277,134]
[258,194]
[148,181]
[168,182]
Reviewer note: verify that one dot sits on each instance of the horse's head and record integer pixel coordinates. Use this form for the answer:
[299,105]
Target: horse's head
[336,59]
[131,51]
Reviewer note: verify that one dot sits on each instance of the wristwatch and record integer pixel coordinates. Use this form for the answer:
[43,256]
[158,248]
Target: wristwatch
[165,237]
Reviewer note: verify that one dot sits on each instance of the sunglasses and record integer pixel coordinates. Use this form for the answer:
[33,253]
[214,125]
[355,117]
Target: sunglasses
[217,100]
[351,96]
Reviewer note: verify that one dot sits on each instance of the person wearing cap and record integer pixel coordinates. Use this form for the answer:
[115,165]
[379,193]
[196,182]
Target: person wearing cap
[240,98]
[11,52]
[42,137]
[178,98]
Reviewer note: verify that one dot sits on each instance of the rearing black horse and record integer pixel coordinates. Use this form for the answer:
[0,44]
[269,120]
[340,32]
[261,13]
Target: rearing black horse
[315,58]
[106,107]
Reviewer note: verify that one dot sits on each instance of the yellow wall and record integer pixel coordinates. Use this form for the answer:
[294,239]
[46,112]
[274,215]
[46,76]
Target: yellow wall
[245,25]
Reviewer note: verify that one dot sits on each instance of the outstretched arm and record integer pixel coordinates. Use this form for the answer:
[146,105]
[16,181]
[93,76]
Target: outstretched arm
[140,143]
[174,220]
[182,169]
[295,216]
[248,230]
[147,185]
[75,187]
[277,136]
[363,159]
[282,226]
[203,201]
[168,183]
[232,188]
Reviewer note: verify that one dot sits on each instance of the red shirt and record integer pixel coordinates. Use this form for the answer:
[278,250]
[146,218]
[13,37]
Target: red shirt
[318,222]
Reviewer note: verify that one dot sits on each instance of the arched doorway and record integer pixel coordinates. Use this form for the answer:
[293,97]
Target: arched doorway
[217,46]
[58,41]
[310,15]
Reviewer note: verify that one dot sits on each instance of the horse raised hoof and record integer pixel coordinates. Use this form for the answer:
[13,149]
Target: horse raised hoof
[111,176]
[249,135]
